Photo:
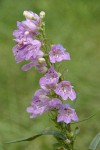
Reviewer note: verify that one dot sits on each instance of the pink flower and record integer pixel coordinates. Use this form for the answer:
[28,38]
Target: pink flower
[58,53]
[27,49]
[66,114]
[50,80]
[65,90]
[40,66]
[55,103]
[38,106]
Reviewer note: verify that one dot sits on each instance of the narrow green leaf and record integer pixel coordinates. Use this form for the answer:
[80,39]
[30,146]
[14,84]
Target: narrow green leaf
[57,134]
[25,139]
[95,142]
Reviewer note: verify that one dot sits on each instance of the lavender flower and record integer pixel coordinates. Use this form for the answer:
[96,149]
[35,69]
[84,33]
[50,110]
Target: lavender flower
[21,32]
[58,54]
[55,103]
[28,66]
[41,65]
[65,90]
[66,114]
[40,93]
[26,29]
[29,27]
[38,106]
[27,49]
[38,63]
[50,80]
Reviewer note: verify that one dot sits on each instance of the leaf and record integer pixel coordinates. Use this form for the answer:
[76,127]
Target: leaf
[95,142]
[76,132]
[55,133]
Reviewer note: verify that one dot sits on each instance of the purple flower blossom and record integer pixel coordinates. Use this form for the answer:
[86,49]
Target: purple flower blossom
[28,66]
[27,49]
[58,54]
[26,29]
[29,25]
[50,80]
[40,93]
[66,114]
[39,65]
[21,32]
[65,90]
[55,103]
[39,105]
[32,16]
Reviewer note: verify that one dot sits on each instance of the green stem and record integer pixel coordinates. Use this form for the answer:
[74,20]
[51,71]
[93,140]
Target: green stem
[44,44]
[70,140]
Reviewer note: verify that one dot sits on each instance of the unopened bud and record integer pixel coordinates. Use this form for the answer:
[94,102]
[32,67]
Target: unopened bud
[71,134]
[44,96]
[41,60]
[28,15]
[67,141]
[59,74]
[42,14]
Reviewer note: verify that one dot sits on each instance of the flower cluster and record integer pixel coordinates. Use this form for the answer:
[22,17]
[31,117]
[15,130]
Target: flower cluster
[54,91]
[28,46]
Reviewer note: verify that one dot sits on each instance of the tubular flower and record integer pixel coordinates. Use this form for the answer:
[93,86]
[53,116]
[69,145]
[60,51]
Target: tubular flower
[65,90]
[58,53]
[27,49]
[41,66]
[38,106]
[50,80]
[55,103]
[66,114]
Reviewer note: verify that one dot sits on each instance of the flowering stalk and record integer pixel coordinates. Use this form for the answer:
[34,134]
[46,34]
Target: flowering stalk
[32,46]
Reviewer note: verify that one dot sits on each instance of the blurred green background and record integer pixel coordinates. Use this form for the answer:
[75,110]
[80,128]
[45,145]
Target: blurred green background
[76,25]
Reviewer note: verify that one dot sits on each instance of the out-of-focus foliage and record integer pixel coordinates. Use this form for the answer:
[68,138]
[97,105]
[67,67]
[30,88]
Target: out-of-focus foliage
[74,24]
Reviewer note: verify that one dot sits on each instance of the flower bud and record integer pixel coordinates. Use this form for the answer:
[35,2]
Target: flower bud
[44,96]
[67,141]
[42,14]
[28,15]
[71,134]
[41,60]
[59,74]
